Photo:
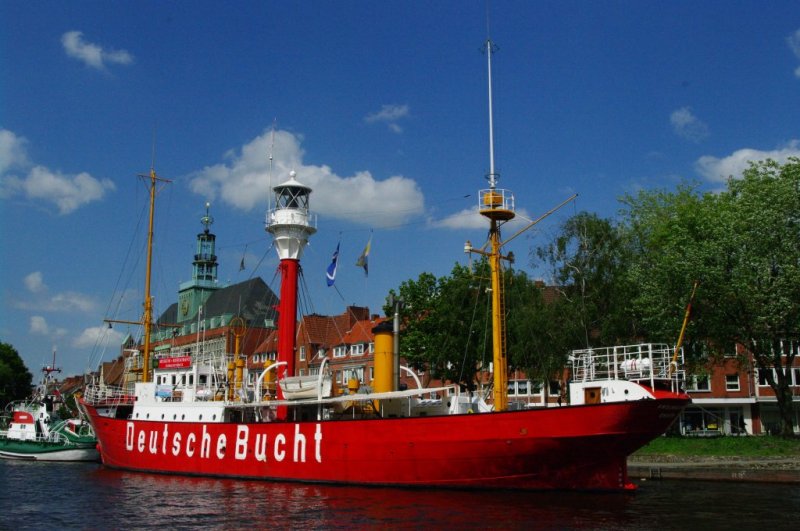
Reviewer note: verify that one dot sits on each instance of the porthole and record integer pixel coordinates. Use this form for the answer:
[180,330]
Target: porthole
[175,417]
[183,417]
[148,416]
[214,417]
[162,416]
[201,417]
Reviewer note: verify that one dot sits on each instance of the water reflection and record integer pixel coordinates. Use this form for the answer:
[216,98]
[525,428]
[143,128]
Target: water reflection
[87,496]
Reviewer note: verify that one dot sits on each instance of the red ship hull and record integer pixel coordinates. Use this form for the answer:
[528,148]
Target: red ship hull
[571,447]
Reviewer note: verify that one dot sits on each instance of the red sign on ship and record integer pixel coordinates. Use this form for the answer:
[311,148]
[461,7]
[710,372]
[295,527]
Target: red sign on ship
[179,362]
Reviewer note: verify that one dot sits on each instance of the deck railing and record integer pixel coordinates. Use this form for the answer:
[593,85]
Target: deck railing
[643,363]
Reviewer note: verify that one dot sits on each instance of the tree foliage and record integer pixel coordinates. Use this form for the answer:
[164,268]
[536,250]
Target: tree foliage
[15,379]
[443,324]
[743,245]
[447,325]
[586,262]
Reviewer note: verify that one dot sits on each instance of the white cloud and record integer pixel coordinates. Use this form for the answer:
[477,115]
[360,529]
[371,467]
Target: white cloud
[719,169]
[469,218]
[98,335]
[687,125]
[90,54]
[67,192]
[39,326]
[69,301]
[243,182]
[793,41]
[34,282]
[389,114]
[13,152]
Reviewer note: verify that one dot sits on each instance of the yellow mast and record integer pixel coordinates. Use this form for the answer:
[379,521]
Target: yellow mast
[147,318]
[148,300]
[686,316]
[498,205]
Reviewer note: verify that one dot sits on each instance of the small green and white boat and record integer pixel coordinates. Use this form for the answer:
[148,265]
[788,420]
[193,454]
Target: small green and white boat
[31,429]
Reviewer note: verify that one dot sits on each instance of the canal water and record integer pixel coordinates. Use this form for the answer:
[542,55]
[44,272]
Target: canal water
[89,496]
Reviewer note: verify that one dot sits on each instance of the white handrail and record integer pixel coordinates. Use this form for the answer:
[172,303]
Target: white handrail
[413,375]
[264,373]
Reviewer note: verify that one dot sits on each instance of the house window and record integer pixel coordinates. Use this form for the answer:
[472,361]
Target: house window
[796,373]
[371,373]
[699,383]
[519,388]
[788,347]
[762,377]
[303,353]
[732,382]
[372,348]
[357,349]
[255,358]
[340,351]
[302,372]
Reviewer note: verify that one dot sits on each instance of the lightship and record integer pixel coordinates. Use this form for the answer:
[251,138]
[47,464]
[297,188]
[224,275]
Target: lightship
[620,399]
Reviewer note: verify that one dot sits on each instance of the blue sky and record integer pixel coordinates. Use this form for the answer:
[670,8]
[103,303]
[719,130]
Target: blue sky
[380,107]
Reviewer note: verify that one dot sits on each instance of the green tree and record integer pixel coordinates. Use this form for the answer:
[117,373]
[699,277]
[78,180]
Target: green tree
[668,245]
[444,325]
[447,325]
[587,260]
[15,379]
[539,329]
[743,245]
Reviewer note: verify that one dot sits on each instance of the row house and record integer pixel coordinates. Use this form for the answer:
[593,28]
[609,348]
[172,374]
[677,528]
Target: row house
[345,340]
[732,397]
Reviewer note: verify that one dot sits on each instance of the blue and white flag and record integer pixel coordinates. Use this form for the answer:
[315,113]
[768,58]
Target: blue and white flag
[330,274]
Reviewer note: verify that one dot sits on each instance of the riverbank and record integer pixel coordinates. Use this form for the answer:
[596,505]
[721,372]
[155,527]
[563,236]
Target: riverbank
[757,459]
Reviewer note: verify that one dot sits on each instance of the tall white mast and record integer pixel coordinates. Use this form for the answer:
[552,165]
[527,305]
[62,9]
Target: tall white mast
[492,176]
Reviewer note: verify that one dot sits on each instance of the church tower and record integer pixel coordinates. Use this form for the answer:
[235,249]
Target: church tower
[194,293]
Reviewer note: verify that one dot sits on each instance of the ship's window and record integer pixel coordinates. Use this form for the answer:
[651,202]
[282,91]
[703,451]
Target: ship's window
[162,416]
[214,417]
[201,417]
[148,416]
[183,417]
[175,417]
